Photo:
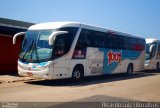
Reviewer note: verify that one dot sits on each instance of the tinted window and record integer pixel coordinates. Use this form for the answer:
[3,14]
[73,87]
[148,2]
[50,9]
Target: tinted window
[63,42]
[83,40]
[98,39]
[136,44]
[110,40]
[115,41]
[123,42]
[90,38]
[131,43]
[141,43]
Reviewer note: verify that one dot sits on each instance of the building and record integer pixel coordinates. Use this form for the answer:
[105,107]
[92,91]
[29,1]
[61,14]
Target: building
[9,52]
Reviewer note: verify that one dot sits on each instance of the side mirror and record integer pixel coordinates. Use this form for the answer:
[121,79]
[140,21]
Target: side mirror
[151,48]
[53,36]
[16,35]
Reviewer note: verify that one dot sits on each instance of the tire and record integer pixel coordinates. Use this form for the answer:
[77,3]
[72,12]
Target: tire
[157,67]
[77,74]
[130,69]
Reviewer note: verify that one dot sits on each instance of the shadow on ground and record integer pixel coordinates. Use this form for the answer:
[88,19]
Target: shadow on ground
[97,101]
[92,80]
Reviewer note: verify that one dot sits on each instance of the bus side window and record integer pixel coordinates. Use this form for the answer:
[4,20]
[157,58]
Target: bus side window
[109,40]
[59,46]
[113,41]
[142,44]
[63,42]
[82,43]
[123,42]
[97,39]
[82,40]
[132,44]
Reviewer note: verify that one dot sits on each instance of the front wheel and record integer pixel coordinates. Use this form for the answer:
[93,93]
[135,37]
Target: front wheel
[77,74]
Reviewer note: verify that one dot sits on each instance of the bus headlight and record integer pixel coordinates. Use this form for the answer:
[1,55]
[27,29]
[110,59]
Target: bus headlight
[147,63]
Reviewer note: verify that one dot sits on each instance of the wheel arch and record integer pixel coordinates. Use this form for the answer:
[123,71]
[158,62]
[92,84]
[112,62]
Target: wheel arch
[79,66]
[130,64]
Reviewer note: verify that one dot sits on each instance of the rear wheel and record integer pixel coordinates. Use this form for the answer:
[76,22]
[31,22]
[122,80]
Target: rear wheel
[130,69]
[157,67]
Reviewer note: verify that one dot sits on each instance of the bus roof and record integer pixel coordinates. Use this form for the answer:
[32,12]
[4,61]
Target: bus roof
[53,25]
[56,25]
[151,40]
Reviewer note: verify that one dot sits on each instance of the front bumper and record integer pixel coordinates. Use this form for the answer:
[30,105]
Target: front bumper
[45,74]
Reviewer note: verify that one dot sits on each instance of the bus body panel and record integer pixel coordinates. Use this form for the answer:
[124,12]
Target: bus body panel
[99,61]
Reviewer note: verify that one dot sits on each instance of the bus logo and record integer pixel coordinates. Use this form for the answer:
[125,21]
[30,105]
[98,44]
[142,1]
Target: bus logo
[114,56]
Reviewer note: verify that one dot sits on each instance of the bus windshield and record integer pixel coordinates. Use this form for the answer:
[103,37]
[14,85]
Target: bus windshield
[35,46]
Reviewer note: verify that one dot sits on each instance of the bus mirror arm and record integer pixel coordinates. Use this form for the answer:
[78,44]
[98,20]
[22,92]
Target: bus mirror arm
[16,35]
[151,48]
[53,36]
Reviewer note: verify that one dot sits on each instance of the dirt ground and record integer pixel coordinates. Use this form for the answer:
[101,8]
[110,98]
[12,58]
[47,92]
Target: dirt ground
[143,86]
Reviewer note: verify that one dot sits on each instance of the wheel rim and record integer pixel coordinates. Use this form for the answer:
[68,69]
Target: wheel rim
[77,74]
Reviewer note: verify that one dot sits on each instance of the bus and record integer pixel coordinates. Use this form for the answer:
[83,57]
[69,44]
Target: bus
[58,50]
[152,54]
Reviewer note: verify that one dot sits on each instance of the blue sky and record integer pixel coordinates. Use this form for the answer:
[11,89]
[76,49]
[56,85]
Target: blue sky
[136,17]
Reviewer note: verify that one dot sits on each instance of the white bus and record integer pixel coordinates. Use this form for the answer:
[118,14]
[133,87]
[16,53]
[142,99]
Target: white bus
[152,54]
[73,50]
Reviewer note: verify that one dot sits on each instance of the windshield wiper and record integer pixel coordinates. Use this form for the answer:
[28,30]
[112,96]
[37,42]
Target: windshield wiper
[29,49]
[34,50]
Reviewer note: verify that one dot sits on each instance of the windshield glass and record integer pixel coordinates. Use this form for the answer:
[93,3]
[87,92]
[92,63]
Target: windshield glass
[35,46]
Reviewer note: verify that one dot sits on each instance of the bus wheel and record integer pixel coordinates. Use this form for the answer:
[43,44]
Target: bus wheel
[77,74]
[130,69]
[157,67]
